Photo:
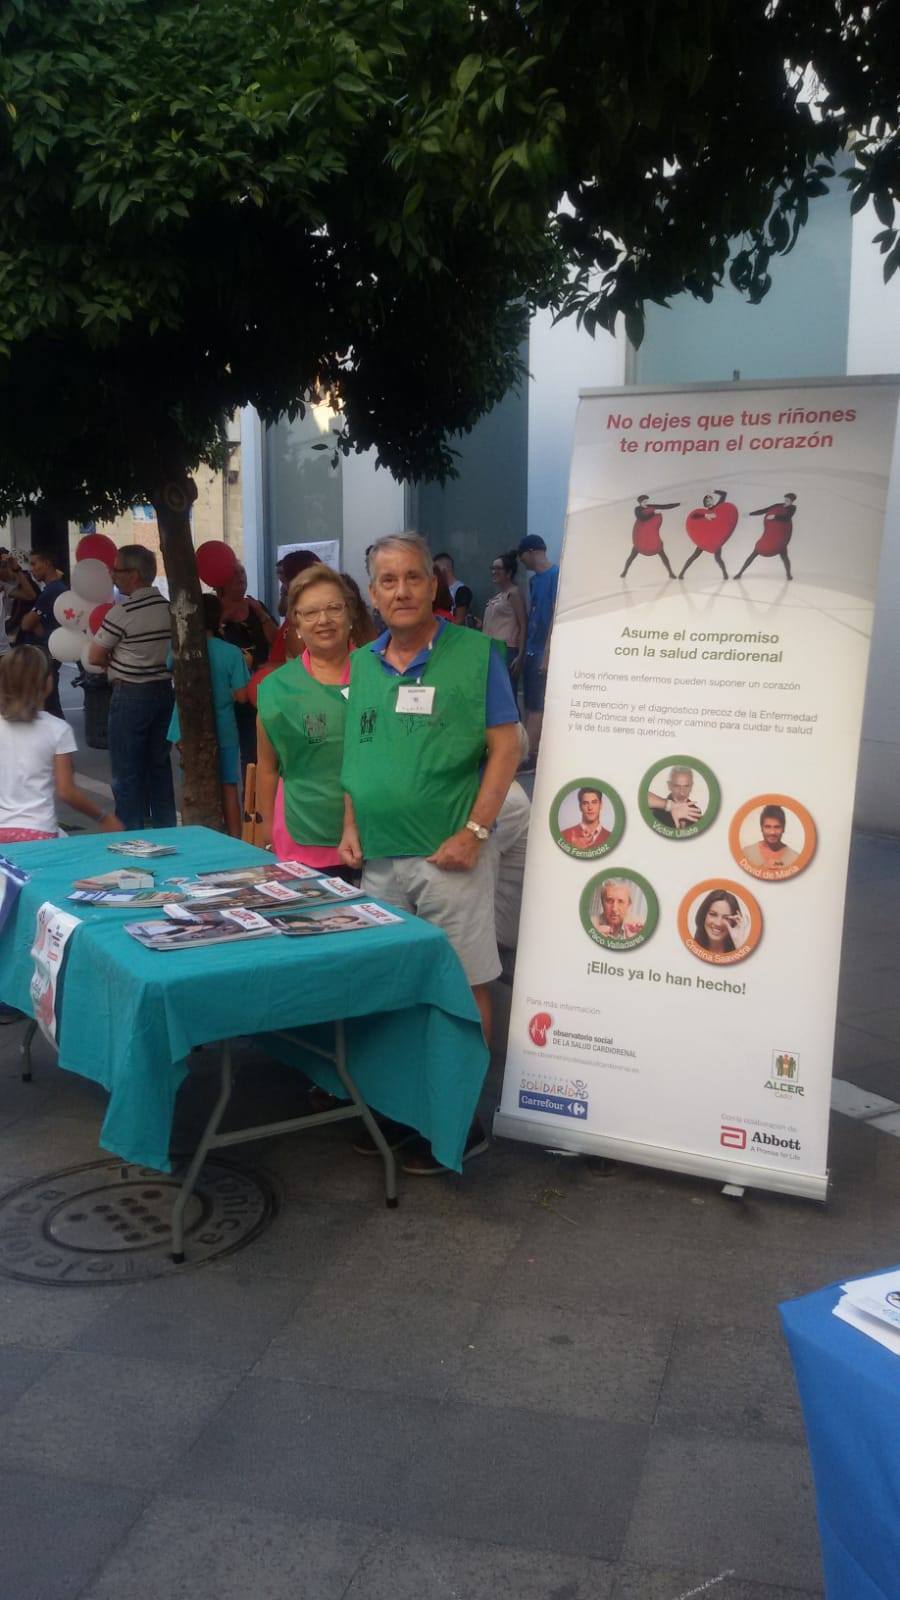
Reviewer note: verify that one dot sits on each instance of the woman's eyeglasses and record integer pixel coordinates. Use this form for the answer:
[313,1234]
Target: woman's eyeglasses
[333,610]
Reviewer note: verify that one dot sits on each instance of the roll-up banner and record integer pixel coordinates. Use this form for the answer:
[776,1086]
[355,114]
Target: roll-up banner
[677,969]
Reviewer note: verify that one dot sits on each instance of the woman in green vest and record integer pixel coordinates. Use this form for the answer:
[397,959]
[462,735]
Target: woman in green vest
[302,710]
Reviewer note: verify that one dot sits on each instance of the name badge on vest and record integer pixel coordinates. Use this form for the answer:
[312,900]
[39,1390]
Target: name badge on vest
[417,699]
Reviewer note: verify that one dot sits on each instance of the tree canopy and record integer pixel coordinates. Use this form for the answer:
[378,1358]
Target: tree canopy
[209,204]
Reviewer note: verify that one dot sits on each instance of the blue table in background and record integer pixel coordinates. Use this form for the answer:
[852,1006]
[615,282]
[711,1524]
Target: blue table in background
[387,1014]
[850,1393]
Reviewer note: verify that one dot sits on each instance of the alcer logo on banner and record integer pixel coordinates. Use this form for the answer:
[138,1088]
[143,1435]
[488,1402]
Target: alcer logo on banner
[785,1072]
[553,1092]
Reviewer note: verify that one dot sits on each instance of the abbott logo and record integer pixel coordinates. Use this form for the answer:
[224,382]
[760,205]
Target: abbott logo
[733,1138]
[539,1026]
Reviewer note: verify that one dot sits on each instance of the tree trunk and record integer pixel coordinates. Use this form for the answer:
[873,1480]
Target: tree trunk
[202,795]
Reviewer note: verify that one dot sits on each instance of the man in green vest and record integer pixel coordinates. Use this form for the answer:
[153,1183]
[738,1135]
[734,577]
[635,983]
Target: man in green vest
[431,748]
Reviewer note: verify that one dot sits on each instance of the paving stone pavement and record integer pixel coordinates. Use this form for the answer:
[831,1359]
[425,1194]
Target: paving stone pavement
[542,1382]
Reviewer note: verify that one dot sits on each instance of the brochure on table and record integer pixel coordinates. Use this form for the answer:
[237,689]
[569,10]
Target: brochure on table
[873,1306]
[53,930]
[678,956]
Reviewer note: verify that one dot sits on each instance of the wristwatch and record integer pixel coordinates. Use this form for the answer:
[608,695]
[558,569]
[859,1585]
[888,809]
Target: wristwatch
[476,828]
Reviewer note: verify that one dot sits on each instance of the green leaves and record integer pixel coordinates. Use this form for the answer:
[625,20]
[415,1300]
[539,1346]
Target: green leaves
[467,71]
[251,200]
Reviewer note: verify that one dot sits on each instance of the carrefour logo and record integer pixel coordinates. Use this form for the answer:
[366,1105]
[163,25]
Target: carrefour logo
[558,1105]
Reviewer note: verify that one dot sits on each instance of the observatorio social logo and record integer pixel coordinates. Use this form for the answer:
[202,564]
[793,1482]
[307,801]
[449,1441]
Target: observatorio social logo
[555,1093]
[539,1027]
[784,1074]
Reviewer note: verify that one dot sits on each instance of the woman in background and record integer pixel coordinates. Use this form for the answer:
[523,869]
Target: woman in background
[246,623]
[229,676]
[504,615]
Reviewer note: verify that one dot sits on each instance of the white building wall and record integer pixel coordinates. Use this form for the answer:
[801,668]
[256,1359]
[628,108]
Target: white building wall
[562,359]
[373,505]
[873,346]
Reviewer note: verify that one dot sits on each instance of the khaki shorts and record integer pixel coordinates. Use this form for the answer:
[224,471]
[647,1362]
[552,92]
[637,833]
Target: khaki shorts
[462,903]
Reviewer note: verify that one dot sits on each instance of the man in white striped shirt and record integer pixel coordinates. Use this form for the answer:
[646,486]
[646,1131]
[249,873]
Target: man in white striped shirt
[133,643]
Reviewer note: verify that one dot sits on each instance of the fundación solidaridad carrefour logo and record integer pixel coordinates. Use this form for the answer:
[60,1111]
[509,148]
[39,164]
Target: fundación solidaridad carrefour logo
[554,1092]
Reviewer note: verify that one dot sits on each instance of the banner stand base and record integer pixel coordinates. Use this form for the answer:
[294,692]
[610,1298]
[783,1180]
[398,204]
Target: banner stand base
[808,1185]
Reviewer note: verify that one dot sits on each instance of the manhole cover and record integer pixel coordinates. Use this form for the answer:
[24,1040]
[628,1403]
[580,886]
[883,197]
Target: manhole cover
[111,1222]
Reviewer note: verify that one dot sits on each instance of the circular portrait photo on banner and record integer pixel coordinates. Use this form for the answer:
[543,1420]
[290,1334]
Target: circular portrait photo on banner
[772,837]
[619,910]
[679,797]
[587,818]
[720,922]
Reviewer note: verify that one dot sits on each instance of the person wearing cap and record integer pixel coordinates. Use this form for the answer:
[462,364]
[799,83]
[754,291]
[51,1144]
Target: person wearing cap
[430,750]
[542,589]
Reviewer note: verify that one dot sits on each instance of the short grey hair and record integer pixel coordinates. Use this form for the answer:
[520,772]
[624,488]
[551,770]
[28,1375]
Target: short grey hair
[412,542]
[686,772]
[615,883]
[136,558]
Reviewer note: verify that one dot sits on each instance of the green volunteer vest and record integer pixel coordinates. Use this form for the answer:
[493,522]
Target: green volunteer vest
[413,779]
[304,720]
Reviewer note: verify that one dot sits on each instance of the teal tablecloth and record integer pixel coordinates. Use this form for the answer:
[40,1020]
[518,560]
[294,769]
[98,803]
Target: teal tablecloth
[130,1016]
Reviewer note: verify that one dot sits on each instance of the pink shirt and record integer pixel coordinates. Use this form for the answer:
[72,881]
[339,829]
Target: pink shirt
[287,848]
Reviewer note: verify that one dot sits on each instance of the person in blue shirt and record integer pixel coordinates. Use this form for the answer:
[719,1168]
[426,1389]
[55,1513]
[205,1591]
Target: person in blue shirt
[228,671]
[541,606]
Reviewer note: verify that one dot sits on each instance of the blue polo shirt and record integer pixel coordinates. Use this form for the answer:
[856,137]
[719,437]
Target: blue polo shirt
[499,701]
[541,602]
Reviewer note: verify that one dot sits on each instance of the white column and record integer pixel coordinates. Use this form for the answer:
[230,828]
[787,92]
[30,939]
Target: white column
[373,505]
[253,502]
[873,346]
[562,359]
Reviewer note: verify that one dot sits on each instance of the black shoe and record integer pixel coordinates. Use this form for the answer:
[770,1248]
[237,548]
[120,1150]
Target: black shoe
[396,1135]
[421,1163]
[320,1100]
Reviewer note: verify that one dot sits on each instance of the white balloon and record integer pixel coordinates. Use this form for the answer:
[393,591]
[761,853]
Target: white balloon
[86,661]
[71,611]
[91,581]
[65,644]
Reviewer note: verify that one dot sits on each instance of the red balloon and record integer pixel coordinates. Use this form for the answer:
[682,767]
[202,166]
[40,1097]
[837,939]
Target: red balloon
[96,547]
[216,563]
[97,615]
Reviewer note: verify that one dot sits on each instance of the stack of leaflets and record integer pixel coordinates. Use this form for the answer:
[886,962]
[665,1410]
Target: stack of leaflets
[144,849]
[121,889]
[282,871]
[226,890]
[189,926]
[122,899]
[200,928]
[873,1306]
[335,919]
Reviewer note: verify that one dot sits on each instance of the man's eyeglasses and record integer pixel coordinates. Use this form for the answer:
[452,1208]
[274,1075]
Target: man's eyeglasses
[333,610]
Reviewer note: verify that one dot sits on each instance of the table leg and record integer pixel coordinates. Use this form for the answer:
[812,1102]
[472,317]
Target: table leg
[199,1156]
[387,1155]
[25,1047]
